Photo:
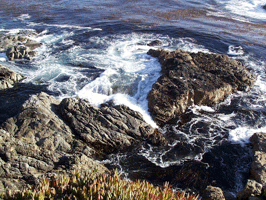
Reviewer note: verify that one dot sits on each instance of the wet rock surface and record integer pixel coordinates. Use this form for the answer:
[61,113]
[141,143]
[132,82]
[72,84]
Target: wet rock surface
[39,142]
[194,79]
[8,78]
[19,46]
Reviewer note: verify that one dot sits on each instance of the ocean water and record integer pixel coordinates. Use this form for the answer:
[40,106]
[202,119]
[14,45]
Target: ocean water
[97,50]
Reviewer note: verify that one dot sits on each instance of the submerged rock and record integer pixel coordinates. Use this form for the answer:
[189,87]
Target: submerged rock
[49,137]
[8,78]
[154,43]
[194,79]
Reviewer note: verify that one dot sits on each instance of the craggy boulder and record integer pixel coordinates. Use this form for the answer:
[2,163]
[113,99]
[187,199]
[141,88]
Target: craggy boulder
[109,128]
[213,193]
[8,78]
[258,166]
[37,143]
[194,79]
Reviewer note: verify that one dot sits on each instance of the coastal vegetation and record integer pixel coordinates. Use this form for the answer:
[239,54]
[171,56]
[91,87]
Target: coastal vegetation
[96,186]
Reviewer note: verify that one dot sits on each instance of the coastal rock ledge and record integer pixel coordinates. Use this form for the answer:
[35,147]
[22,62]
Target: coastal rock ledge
[194,79]
[49,137]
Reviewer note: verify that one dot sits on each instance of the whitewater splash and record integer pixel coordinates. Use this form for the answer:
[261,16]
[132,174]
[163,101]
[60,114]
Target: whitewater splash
[244,11]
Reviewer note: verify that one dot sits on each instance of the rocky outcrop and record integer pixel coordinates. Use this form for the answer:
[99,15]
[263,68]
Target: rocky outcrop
[109,128]
[258,166]
[255,186]
[48,137]
[8,78]
[19,46]
[194,79]
[37,143]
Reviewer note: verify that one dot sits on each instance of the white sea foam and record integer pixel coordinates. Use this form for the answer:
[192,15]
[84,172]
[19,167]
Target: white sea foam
[235,50]
[240,10]
[242,134]
[128,71]
[3,57]
[23,17]
[196,109]
[247,8]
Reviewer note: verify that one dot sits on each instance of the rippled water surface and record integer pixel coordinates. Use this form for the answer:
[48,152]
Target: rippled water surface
[97,50]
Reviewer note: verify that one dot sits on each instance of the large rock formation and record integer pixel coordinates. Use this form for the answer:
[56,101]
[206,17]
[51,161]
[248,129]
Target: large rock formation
[38,142]
[194,79]
[8,78]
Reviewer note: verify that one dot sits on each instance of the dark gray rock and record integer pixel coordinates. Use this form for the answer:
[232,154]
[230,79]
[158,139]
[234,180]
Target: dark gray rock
[155,43]
[8,78]
[48,137]
[37,143]
[110,128]
[194,79]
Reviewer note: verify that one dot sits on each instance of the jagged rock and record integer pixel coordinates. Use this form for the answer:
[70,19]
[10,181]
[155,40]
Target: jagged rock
[19,46]
[213,193]
[194,79]
[48,137]
[8,78]
[264,7]
[258,141]
[252,188]
[255,185]
[18,52]
[109,128]
[258,166]
[37,143]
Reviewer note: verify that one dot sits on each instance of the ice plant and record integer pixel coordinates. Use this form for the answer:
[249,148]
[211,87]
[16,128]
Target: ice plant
[99,187]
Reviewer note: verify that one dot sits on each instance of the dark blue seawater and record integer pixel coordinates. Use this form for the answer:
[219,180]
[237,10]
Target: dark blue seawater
[97,50]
